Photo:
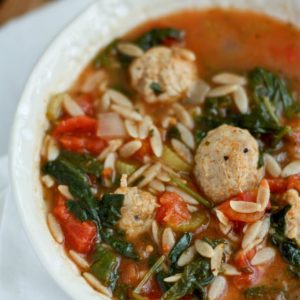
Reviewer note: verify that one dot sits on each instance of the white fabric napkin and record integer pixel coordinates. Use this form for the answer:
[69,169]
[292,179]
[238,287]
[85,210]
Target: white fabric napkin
[22,41]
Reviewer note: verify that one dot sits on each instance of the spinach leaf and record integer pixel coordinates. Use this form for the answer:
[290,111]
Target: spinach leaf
[278,223]
[216,111]
[264,118]
[195,277]
[77,209]
[267,85]
[105,266]
[160,276]
[116,241]
[109,209]
[124,59]
[158,36]
[260,162]
[109,212]
[85,162]
[67,173]
[121,292]
[123,89]
[104,213]
[214,242]
[107,56]
[295,271]
[180,246]
[173,133]
[288,248]
[156,88]
[256,292]
[199,136]
[290,252]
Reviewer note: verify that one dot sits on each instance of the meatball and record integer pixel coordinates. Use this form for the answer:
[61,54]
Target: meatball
[226,163]
[137,212]
[164,74]
[292,217]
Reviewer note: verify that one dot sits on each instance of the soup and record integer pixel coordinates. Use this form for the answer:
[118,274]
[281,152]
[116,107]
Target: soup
[171,167]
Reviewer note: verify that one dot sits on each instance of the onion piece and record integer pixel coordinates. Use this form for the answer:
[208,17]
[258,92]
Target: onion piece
[111,126]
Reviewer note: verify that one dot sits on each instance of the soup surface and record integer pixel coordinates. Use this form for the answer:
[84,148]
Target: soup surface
[171,168]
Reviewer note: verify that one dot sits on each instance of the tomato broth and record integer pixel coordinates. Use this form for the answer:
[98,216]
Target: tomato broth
[133,231]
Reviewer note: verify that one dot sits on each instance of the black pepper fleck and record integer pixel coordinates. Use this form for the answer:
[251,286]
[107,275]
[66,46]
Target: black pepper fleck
[245,150]
[226,157]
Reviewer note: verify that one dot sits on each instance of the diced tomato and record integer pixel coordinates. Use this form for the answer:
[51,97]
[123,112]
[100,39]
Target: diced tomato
[154,296]
[250,274]
[79,236]
[86,102]
[173,210]
[169,42]
[246,280]
[280,185]
[241,217]
[145,150]
[242,259]
[76,125]
[277,185]
[129,272]
[82,144]
[294,182]
[79,135]
[151,290]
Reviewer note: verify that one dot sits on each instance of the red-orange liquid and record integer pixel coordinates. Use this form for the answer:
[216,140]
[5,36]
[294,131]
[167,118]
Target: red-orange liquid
[238,42]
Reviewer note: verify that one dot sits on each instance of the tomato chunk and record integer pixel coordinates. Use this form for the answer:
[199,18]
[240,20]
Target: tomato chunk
[247,279]
[233,215]
[242,259]
[145,150]
[129,272]
[250,274]
[151,290]
[76,125]
[173,210]
[82,144]
[294,182]
[277,185]
[79,236]
[281,185]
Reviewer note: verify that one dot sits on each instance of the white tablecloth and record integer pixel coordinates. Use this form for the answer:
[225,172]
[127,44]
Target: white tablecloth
[22,41]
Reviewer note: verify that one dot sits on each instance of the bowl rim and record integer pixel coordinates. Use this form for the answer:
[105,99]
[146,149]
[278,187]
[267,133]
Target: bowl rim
[12,154]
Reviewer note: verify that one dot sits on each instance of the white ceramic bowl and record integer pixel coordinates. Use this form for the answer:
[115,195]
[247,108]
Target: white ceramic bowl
[55,72]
